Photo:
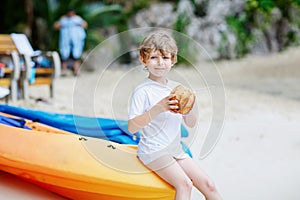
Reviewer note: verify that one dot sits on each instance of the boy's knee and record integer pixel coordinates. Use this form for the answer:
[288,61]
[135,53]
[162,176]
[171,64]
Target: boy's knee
[186,184]
[211,186]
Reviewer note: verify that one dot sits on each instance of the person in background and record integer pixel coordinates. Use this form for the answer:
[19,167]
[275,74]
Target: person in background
[71,39]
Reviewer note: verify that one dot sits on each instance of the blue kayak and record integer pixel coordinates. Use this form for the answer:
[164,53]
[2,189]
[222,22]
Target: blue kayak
[104,128]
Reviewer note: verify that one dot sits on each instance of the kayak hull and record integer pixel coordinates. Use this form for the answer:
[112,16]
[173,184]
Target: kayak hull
[79,168]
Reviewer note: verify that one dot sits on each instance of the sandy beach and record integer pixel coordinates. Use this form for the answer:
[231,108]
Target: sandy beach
[257,155]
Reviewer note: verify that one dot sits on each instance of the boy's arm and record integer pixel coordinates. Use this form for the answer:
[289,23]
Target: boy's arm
[140,121]
[137,123]
[190,119]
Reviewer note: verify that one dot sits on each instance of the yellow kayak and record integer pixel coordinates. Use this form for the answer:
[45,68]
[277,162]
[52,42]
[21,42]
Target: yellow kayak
[76,167]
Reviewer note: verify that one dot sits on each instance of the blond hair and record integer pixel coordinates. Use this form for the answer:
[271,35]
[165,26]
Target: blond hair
[160,41]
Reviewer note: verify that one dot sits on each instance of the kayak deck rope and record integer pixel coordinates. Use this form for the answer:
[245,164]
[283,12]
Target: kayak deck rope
[111,146]
[83,138]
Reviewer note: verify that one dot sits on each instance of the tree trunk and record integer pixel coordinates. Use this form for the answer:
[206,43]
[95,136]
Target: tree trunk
[29,17]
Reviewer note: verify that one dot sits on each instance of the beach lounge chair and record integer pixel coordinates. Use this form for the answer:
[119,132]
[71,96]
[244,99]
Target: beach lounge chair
[34,74]
[10,66]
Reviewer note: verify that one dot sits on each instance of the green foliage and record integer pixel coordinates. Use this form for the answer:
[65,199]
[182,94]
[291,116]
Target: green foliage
[181,25]
[224,47]
[93,39]
[200,7]
[12,16]
[105,14]
[122,24]
[266,5]
[99,15]
[135,7]
[239,26]
[257,15]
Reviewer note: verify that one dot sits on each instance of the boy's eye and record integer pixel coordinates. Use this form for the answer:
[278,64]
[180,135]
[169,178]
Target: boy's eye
[166,57]
[153,57]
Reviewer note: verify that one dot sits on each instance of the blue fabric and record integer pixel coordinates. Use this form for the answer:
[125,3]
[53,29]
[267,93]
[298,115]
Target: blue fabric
[104,128]
[19,123]
[32,76]
[42,62]
[186,149]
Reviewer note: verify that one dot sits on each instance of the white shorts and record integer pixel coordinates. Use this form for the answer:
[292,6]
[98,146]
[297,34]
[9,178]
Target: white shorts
[164,157]
[165,161]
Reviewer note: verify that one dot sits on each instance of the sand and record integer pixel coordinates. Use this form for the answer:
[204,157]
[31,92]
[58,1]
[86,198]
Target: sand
[257,155]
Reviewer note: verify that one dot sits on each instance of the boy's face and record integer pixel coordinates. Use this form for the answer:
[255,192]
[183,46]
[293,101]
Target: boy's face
[158,64]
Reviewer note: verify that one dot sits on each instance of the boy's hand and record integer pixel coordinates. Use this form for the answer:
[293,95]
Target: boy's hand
[186,99]
[168,104]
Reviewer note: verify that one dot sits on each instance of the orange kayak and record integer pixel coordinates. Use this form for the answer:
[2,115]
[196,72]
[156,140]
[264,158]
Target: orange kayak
[76,167]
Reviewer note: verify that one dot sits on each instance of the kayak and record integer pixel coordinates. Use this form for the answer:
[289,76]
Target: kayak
[78,167]
[18,122]
[104,128]
[99,127]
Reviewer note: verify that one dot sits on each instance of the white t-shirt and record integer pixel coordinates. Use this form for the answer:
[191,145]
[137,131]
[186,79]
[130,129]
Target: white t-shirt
[162,135]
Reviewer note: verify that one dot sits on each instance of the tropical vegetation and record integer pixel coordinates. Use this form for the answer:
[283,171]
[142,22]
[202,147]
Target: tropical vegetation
[35,18]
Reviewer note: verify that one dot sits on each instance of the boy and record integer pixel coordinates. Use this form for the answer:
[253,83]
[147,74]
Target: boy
[152,113]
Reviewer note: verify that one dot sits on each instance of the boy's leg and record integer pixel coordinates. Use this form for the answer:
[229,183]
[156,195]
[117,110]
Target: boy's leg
[174,175]
[199,178]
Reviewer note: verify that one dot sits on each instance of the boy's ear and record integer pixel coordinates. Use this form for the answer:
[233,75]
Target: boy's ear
[142,60]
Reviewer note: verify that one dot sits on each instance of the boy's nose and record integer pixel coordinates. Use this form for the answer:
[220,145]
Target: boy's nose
[160,60]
